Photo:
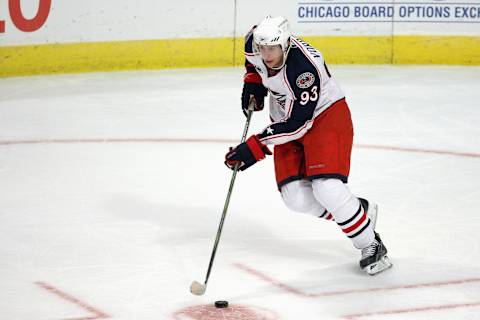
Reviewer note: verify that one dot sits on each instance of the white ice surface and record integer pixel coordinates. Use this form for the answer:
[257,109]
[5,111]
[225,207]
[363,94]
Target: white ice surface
[125,227]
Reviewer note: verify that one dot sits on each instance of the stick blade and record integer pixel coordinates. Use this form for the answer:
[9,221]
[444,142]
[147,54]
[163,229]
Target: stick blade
[197,288]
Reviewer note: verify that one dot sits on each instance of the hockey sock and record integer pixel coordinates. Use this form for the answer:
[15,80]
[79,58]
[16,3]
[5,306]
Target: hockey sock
[349,214]
[298,196]
[326,215]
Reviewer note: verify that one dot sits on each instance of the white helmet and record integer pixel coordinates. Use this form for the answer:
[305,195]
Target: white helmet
[271,32]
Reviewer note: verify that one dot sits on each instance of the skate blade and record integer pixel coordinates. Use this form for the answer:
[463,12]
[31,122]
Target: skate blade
[379,266]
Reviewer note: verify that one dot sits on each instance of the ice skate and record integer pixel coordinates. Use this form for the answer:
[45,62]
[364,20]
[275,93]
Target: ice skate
[374,257]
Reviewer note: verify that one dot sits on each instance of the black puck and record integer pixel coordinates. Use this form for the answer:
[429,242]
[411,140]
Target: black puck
[221,304]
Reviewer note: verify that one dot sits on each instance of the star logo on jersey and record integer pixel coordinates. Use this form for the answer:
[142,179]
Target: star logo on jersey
[269,131]
[305,80]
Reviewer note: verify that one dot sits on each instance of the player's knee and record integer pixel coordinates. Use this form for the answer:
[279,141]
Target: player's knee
[322,187]
[332,193]
[297,197]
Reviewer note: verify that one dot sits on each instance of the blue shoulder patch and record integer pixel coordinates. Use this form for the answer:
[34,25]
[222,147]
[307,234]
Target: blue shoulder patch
[301,73]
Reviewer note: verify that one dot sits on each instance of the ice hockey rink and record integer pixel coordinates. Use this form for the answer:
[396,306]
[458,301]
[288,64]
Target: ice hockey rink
[113,184]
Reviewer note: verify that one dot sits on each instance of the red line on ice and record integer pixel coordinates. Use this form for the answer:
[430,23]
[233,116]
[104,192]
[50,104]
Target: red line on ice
[412,310]
[97,314]
[418,150]
[298,292]
[120,140]
[226,141]
[270,280]
[290,289]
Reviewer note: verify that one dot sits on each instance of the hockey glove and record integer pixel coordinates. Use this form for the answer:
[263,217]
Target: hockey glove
[246,154]
[253,91]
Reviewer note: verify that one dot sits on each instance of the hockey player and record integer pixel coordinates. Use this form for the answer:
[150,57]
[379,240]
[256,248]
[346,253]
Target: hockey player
[312,133]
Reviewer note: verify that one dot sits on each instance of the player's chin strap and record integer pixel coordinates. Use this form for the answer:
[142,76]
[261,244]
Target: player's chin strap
[196,287]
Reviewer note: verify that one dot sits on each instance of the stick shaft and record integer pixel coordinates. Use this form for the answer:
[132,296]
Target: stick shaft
[227,202]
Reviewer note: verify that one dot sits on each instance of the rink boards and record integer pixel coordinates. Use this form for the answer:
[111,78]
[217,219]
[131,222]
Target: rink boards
[42,37]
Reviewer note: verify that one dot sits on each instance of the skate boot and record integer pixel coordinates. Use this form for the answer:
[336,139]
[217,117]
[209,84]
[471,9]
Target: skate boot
[374,257]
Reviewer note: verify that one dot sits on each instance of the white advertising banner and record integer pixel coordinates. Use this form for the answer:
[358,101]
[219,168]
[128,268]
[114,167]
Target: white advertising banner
[116,20]
[24,22]
[453,17]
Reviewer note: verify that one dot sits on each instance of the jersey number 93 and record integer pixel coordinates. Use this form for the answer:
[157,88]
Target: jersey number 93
[307,96]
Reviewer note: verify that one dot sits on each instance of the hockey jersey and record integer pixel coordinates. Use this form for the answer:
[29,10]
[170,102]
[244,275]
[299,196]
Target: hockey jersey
[299,92]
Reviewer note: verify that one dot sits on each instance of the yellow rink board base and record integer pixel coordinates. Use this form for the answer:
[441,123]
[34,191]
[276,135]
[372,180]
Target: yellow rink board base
[221,52]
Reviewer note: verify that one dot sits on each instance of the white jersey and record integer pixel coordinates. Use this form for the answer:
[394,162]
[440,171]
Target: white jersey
[299,92]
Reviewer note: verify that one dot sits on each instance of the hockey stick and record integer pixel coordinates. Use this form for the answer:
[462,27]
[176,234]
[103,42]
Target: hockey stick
[196,287]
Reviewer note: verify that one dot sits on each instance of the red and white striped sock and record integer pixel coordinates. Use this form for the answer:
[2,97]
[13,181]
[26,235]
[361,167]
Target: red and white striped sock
[327,216]
[346,209]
